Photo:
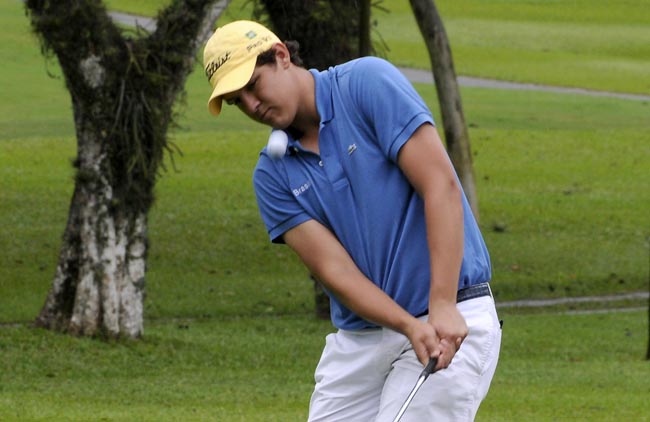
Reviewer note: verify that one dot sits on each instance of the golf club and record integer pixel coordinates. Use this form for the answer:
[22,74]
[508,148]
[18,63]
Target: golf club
[428,370]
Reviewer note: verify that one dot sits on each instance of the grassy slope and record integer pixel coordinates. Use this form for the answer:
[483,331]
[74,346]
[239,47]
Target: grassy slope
[572,198]
[596,44]
[566,175]
[34,104]
[552,367]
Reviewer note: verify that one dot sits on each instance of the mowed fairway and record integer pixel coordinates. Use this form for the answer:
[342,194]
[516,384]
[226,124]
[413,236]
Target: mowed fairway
[230,334]
[259,369]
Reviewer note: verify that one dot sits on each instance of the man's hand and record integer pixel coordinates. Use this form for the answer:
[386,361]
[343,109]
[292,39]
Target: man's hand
[440,336]
[424,340]
[450,328]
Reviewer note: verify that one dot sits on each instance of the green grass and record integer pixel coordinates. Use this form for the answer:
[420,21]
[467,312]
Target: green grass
[595,44]
[34,104]
[182,370]
[565,175]
[552,367]
[229,333]
[570,368]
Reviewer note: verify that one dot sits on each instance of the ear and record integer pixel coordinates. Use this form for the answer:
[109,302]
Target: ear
[282,55]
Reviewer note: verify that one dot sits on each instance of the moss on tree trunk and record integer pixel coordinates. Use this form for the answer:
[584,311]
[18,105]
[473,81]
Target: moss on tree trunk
[123,87]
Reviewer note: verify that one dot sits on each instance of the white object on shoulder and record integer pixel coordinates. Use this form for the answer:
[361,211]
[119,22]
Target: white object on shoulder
[277,146]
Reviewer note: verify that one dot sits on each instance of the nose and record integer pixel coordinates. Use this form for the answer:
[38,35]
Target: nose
[249,102]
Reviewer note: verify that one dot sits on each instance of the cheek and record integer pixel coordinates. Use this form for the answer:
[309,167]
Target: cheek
[282,90]
[281,98]
[287,101]
[287,113]
[246,112]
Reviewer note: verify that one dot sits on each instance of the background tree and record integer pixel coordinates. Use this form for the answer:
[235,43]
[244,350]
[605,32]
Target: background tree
[365,38]
[329,33]
[451,108]
[122,88]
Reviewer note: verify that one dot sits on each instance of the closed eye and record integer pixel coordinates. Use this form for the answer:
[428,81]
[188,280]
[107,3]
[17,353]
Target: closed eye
[251,85]
[249,88]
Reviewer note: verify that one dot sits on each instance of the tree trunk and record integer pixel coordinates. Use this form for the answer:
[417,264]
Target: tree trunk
[328,31]
[365,42]
[122,90]
[329,34]
[321,299]
[98,287]
[456,134]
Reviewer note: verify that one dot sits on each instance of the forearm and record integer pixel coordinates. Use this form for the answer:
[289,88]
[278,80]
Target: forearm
[426,165]
[364,298]
[444,221]
[331,264]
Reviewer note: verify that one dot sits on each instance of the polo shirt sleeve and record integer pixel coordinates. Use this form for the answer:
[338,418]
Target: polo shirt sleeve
[278,207]
[388,103]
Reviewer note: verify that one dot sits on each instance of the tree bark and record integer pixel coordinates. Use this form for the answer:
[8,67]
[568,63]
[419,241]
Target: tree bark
[456,134]
[328,31]
[365,41]
[98,286]
[122,90]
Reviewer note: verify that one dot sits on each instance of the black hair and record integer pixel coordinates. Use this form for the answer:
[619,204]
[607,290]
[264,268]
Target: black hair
[269,55]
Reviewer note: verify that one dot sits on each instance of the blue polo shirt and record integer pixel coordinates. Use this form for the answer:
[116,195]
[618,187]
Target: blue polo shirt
[368,111]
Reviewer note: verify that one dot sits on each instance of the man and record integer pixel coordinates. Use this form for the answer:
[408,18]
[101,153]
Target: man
[367,197]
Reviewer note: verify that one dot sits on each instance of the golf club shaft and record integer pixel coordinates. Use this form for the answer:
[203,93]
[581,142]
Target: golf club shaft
[423,376]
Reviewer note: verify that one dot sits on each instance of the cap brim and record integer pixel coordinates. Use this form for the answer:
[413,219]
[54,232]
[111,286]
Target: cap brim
[235,78]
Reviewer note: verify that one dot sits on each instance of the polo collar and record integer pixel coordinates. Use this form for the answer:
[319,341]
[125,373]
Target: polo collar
[323,91]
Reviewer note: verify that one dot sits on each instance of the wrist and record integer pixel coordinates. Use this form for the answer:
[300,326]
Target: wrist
[441,301]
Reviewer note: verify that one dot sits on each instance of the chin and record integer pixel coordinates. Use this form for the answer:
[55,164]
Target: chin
[277,123]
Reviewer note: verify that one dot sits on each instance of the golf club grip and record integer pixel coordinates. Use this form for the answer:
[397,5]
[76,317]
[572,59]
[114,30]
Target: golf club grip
[429,368]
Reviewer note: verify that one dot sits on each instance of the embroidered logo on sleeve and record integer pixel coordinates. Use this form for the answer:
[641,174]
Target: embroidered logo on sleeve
[300,190]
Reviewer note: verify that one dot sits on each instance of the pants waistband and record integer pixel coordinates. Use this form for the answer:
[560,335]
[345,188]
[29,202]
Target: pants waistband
[467,293]
[472,292]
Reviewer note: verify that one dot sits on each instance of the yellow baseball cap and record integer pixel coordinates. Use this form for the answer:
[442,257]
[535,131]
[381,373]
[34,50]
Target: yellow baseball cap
[230,55]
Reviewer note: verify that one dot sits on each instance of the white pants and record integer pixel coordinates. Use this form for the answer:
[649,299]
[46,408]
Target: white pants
[365,376]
